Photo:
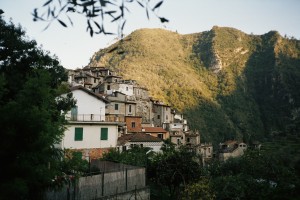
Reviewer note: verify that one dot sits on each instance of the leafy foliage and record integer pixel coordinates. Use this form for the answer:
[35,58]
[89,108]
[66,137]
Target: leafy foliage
[96,12]
[175,170]
[200,190]
[30,118]
[256,175]
[137,156]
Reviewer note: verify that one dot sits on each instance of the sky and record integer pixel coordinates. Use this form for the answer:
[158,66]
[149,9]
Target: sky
[74,47]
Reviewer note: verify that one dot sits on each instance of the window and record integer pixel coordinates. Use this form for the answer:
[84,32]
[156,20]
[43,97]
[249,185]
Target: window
[116,106]
[126,88]
[158,116]
[130,108]
[208,150]
[132,124]
[141,145]
[104,134]
[188,139]
[160,136]
[167,117]
[108,87]
[74,112]
[78,134]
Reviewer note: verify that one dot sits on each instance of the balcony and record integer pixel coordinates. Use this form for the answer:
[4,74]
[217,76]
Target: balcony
[86,117]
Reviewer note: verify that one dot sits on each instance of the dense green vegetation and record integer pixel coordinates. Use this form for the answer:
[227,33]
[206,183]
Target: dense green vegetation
[168,172]
[270,173]
[230,85]
[31,117]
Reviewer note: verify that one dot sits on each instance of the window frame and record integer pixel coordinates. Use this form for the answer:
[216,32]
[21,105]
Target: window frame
[133,124]
[78,134]
[104,133]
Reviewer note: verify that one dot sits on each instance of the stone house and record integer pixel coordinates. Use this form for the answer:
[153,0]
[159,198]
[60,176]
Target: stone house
[192,138]
[128,141]
[162,114]
[119,107]
[177,138]
[206,152]
[231,148]
[158,132]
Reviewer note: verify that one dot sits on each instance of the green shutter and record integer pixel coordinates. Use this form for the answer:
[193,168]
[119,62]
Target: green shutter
[104,133]
[78,134]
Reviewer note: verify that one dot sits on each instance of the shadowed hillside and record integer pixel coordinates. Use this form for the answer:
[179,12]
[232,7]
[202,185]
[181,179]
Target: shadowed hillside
[229,84]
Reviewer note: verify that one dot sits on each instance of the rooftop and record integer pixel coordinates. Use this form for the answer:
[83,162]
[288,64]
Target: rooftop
[137,137]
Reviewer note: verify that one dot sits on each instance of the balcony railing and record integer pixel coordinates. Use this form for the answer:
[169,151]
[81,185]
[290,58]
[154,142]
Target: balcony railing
[86,117]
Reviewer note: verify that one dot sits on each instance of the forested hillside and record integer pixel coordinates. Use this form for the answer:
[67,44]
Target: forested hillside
[229,84]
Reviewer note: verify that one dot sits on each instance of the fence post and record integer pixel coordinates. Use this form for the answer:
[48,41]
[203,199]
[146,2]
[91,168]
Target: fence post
[126,184]
[102,186]
[117,193]
[135,192]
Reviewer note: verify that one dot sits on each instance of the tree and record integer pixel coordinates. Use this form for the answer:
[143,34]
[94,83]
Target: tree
[256,175]
[96,12]
[31,120]
[199,190]
[175,170]
[137,156]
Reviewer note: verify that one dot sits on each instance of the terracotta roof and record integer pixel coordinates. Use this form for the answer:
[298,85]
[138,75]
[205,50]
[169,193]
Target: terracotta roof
[79,87]
[154,130]
[137,137]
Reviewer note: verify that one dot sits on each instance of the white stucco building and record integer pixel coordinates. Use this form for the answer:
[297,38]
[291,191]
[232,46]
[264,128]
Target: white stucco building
[89,106]
[87,131]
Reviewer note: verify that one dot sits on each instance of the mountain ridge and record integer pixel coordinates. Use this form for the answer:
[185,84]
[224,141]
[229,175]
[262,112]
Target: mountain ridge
[230,85]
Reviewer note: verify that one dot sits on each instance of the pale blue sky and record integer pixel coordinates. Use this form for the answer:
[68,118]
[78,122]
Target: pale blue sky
[74,47]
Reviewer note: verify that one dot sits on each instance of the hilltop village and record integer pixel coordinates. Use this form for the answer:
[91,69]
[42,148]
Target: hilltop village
[112,112]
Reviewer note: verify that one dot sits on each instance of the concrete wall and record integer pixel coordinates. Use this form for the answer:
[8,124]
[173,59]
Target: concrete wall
[141,194]
[107,185]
